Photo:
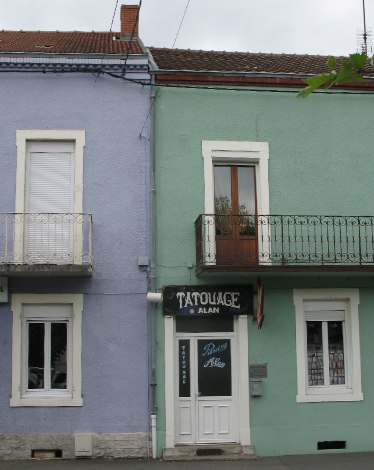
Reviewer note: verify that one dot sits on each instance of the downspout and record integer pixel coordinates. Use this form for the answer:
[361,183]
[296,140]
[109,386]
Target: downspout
[152,297]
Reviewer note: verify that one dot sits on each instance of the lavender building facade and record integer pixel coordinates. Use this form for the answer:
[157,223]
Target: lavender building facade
[74,243]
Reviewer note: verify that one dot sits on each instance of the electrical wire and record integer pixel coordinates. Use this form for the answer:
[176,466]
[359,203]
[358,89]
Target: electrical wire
[131,38]
[180,25]
[110,29]
[114,14]
[244,88]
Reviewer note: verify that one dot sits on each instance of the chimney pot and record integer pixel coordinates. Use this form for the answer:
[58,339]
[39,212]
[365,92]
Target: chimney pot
[129,20]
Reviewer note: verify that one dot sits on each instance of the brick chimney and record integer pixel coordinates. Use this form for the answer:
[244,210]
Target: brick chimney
[129,18]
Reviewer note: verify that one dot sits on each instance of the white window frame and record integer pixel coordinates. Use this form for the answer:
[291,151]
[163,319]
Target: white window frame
[326,305]
[20,395]
[242,153]
[23,137]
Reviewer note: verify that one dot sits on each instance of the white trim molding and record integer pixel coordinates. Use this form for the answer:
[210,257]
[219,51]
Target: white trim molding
[70,397]
[244,153]
[329,305]
[240,379]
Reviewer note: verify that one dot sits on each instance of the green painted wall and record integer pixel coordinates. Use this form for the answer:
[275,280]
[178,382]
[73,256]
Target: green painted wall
[321,162]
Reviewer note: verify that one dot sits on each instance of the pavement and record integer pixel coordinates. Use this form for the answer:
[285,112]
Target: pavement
[346,461]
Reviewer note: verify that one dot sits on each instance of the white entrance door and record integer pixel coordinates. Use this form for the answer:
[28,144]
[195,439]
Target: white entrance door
[49,202]
[207,392]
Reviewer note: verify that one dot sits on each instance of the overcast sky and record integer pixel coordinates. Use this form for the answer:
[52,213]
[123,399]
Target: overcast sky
[290,26]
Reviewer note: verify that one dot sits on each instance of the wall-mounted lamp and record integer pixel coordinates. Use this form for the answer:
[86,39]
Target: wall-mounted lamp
[154,297]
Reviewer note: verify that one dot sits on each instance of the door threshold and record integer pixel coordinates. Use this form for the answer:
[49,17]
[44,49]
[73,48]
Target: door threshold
[217,451]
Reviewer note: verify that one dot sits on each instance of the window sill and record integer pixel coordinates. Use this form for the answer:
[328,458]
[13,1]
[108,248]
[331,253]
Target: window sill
[47,401]
[329,397]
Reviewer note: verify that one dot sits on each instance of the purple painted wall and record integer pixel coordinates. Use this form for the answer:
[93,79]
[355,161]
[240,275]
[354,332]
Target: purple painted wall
[115,351]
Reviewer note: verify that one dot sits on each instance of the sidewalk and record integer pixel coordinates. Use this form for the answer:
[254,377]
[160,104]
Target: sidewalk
[354,461]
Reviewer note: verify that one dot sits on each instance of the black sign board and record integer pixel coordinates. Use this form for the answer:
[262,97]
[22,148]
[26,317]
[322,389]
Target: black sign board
[208,301]
[184,368]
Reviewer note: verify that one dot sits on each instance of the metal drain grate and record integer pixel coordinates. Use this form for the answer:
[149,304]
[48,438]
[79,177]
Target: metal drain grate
[206,452]
[46,453]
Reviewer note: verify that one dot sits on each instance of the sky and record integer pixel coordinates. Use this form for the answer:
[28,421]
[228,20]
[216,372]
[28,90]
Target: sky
[273,26]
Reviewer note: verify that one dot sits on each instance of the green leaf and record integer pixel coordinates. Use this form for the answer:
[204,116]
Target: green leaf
[332,62]
[344,71]
[316,82]
[357,61]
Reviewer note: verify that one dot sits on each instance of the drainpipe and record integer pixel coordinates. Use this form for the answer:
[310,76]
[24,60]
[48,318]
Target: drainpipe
[152,296]
[154,435]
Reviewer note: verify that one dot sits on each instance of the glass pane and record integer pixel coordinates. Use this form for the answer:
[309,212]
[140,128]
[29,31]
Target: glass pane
[336,353]
[58,355]
[214,367]
[315,353]
[36,332]
[222,199]
[184,368]
[204,324]
[247,199]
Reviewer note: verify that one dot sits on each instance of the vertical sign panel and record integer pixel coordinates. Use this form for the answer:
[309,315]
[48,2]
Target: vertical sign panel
[184,368]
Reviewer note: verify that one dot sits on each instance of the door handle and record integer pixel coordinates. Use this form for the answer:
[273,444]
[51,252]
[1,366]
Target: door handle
[197,394]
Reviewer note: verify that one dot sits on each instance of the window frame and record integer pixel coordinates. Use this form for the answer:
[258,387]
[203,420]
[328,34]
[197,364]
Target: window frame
[322,305]
[243,153]
[21,395]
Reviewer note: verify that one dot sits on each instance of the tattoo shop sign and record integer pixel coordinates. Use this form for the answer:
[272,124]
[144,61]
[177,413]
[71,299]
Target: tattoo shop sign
[208,301]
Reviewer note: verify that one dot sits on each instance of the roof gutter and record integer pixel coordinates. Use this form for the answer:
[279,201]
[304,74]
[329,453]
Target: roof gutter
[253,78]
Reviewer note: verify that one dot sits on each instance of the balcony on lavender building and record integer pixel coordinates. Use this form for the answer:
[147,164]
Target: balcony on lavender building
[45,244]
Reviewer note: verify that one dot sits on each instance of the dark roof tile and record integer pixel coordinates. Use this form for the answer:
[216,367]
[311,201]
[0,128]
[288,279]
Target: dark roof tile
[220,61]
[67,42]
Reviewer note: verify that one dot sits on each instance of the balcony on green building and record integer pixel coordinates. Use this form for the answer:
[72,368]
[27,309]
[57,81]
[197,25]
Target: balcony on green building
[284,243]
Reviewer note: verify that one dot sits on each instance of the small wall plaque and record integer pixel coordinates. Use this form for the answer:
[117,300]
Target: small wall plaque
[3,289]
[258,371]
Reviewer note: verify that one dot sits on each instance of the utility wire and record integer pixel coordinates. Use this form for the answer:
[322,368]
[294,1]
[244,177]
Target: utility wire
[184,14]
[244,88]
[114,14]
[132,36]
[110,30]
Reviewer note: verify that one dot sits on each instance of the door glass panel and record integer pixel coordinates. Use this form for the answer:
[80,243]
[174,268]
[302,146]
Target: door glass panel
[214,367]
[222,199]
[204,324]
[36,333]
[247,200]
[184,368]
[58,355]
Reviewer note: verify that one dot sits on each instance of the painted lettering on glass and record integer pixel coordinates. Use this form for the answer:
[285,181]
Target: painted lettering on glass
[210,349]
[215,362]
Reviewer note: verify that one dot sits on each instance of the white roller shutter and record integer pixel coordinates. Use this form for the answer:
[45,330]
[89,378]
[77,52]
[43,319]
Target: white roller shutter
[49,202]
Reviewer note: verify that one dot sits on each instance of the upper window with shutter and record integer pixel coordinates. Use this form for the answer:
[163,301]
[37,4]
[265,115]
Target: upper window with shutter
[49,196]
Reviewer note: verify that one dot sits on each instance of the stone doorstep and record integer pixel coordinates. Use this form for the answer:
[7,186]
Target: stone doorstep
[209,452]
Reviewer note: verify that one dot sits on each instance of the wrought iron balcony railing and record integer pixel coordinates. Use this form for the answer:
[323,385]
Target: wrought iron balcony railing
[284,242]
[32,242]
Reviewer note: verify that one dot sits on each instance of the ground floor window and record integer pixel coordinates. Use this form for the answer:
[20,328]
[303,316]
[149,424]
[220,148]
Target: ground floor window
[46,349]
[328,345]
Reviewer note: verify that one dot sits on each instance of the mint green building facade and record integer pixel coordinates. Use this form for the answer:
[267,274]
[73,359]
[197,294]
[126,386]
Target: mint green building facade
[312,157]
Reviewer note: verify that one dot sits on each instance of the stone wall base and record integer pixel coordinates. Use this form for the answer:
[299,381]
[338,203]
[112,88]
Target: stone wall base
[108,445]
